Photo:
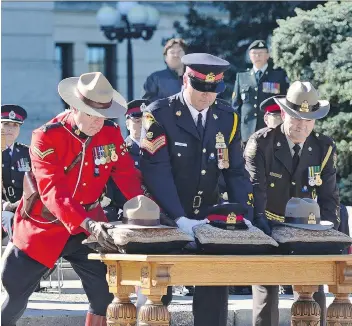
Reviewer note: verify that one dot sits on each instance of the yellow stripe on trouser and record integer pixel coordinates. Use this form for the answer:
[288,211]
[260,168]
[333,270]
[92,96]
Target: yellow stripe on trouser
[274,217]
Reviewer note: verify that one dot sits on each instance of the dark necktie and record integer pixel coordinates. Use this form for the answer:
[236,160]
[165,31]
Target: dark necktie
[258,75]
[295,158]
[200,127]
[6,154]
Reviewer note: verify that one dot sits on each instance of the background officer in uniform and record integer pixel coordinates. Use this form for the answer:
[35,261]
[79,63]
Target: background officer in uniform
[15,162]
[167,82]
[190,138]
[254,86]
[272,113]
[134,126]
[72,158]
[291,161]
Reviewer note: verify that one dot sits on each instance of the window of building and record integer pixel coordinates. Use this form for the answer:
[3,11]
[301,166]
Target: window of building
[102,57]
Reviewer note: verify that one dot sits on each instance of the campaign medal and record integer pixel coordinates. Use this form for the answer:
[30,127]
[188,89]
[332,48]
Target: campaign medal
[113,154]
[222,152]
[26,167]
[102,155]
[19,166]
[318,180]
[107,154]
[96,156]
[311,179]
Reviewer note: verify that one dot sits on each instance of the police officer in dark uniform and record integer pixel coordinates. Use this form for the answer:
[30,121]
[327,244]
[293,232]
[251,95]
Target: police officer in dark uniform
[254,86]
[190,138]
[15,162]
[167,82]
[134,126]
[291,160]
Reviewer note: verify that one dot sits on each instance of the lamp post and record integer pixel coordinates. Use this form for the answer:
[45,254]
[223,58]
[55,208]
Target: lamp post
[129,20]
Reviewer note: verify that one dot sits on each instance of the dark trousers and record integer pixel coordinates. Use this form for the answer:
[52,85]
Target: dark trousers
[21,275]
[210,305]
[266,305]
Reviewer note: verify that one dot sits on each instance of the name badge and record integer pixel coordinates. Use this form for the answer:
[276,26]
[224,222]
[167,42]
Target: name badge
[180,144]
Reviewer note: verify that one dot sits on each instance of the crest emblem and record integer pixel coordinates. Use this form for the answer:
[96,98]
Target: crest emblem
[210,78]
[12,115]
[231,218]
[261,44]
[143,107]
[149,135]
[178,113]
[304,107]
[311,219]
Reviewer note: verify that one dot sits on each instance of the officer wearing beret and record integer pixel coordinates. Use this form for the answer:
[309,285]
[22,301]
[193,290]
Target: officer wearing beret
[291,160]
[167,82]
[134,125]
[190,139]
[15,162]
[254,86]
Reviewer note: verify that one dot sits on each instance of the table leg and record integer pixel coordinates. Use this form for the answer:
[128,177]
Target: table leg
[121,312]
[340,311]
[153,312]
[305,311]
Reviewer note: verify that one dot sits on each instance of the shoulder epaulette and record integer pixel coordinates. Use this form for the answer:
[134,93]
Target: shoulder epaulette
[21,145]
[110,123]
[264,132]
[326,139]
[49,126]
[224,105]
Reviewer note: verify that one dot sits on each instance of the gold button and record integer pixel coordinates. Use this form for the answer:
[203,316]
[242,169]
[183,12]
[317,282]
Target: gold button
[256,89]
[13,181]
[196,211]
[255,114]
[317,134]
[255,105]
[272,185]
[203,172]
[106,166]
[65,168]
[12,168]
[255,97]
[178,154]
[293,183]
[86,163]
[84,184]
[200,192]
[204,150]
[81,202]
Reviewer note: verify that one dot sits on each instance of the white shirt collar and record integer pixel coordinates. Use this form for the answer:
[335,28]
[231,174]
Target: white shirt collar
[262,68]
[291,144]
[136,141]
[195,112]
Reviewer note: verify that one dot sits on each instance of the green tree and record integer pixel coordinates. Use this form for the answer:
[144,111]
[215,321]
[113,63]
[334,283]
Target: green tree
[247,21]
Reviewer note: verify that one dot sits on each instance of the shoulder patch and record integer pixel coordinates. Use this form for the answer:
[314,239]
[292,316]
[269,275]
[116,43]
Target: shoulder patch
[147,120]
[152,146]
[42,154]
[49,126]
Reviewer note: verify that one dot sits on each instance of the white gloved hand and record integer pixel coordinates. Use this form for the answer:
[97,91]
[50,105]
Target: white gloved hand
[186,224]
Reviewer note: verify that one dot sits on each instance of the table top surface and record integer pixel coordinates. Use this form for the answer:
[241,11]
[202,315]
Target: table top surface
[218,258]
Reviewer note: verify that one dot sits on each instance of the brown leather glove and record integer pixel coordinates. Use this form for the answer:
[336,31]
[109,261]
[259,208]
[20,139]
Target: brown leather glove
[99,230]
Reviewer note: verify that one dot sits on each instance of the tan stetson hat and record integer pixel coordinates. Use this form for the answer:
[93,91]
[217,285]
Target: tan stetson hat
[304,213]
[302,102]
[140,212]
[92,93]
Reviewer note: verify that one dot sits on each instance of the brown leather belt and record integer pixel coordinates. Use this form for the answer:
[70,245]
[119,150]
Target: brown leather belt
[46,214]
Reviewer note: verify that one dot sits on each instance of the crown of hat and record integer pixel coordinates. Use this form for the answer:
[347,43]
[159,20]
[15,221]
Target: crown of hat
[94,86]
[302,207]
[141,208]
[302,92]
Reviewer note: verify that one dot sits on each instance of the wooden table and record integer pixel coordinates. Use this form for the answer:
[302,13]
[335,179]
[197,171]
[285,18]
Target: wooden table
[155,272]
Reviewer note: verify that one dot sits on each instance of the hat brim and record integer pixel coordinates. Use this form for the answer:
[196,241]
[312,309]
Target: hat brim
[322,226]
[121,225]
[324,108]
[10,120]
[68,92]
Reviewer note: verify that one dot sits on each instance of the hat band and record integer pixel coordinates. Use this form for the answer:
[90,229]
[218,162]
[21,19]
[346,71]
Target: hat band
[301,108]
[134,110]
[209,78]
[302,220]
[6,115]
[140,222]
[93,104]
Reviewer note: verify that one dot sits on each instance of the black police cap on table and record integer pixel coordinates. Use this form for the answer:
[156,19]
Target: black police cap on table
[13,113]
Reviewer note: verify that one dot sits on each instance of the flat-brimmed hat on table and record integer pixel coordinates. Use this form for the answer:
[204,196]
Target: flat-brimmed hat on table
[304,233]
[228,232]
[92,94]
[141,232]
[302,102]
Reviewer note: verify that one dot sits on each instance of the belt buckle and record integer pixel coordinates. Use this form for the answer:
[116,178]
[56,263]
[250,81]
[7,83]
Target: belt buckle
[197,200]
[11,191]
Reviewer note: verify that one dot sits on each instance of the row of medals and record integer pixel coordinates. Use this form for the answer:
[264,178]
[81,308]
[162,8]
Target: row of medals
[105,154]
[222,152]
[315,181]
[23,165]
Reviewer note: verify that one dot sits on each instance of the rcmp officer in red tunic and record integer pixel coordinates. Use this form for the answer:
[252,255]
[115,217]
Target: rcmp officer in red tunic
[291,160]
[72,156]
[15,162]
[190,139]
[254,86]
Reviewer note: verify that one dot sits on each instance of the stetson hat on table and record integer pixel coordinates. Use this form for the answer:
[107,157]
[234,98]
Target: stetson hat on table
[302,102]
[141,212]
[304,213]
[92,94]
